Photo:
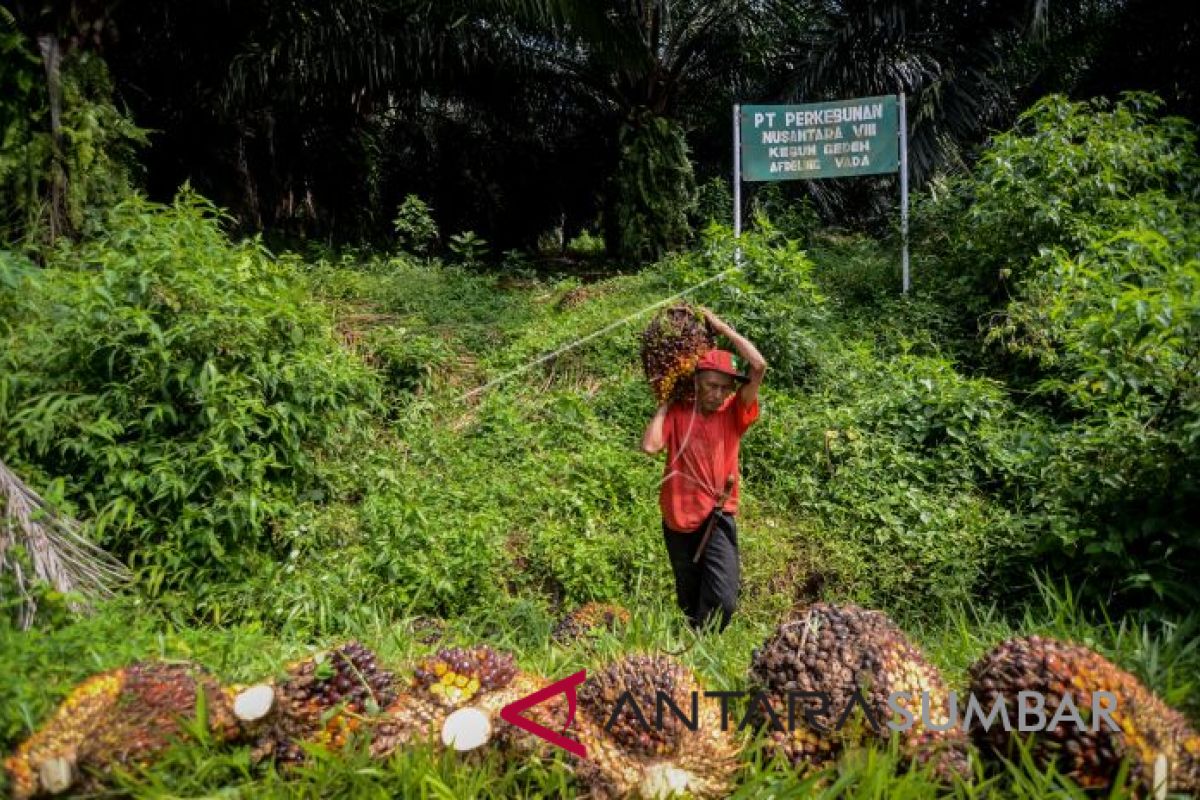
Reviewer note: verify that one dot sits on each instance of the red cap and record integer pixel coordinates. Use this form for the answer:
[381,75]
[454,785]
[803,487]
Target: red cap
[719,361]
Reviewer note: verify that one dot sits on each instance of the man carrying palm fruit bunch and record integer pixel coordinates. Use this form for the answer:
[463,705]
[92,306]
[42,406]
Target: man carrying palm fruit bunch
[700,481]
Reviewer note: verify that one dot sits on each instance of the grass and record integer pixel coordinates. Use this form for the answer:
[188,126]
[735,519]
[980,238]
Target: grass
[43,664]
[493,514]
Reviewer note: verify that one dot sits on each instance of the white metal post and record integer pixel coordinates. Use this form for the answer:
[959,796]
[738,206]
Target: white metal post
[737,170]
[904,194]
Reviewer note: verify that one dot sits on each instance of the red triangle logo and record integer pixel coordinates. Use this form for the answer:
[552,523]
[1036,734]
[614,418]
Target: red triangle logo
[511,713]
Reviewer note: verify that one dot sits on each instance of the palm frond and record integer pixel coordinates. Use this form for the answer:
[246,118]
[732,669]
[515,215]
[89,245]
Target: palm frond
[34,536]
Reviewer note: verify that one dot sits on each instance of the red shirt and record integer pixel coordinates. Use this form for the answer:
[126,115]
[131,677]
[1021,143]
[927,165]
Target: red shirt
[702,450]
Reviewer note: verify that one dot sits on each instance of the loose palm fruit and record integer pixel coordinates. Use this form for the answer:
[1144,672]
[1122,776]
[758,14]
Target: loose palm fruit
[590,617]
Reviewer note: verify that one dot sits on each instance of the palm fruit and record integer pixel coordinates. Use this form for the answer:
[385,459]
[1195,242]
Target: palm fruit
[323,700]
[453,679]
[672,343]
[123,717]
[552,713]
[1151,732]
[454,675]
[450,679]
[590,617]
[631,759]
[902,667]
[836,651]
[411,717]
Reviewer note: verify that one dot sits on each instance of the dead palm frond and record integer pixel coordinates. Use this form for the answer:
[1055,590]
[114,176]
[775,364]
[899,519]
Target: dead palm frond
[37,544]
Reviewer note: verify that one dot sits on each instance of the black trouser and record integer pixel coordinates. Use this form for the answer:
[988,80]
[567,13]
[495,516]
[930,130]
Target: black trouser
[709,588]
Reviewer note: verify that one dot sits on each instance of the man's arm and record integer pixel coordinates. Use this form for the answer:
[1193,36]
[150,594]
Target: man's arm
[652,439]
[756,364]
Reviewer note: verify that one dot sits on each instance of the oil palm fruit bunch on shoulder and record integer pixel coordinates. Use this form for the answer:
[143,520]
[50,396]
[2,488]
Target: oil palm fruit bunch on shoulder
[588,618]
[672,344]
[853,660]
[323,700]
[123,717]
[630,754]
[1162,748]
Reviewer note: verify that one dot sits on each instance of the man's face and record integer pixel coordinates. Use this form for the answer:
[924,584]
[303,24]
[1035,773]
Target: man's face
[712,388]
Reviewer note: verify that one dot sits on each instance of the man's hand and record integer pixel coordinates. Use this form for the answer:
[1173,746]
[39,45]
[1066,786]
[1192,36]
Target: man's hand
[715,323]
[652,440]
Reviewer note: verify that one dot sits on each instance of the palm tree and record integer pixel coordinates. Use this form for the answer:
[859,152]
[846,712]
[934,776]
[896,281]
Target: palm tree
[649,70]
[57,28]
[965,68]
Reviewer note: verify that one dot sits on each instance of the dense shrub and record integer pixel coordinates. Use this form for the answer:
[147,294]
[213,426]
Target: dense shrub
[1064,171]
[176,382]
[896,459]
[415,228]
[1086,215]
[1116,330]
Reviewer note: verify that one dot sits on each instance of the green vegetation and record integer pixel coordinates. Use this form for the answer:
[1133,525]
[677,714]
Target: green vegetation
[177,383]
[290,449]
[1085,217]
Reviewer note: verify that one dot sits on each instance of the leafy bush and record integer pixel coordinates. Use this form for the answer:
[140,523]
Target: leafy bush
[414,226]
[433,564]
[1085,215]
[714,203]
[408,360]
[177,383]
[586,244]
[775,209]
[1116,328]
[1065,171]
[469,248]
[897,458]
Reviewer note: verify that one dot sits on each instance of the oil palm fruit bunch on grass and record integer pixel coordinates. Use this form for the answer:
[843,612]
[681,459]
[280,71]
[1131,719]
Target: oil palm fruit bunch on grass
[552,713]
[458,693]
[1163,750]
[123,717]
[322,701]
[632,759]
[672,343]
[443,684]
[588,618]
[857,659]
[411,717]
[455,674]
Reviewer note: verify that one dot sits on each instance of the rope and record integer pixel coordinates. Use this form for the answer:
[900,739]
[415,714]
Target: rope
[595,334]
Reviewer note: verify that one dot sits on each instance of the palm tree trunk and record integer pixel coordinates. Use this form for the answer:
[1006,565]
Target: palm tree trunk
[51,51]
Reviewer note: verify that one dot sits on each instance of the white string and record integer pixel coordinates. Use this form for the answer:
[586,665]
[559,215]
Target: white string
[593,335]
[683,451]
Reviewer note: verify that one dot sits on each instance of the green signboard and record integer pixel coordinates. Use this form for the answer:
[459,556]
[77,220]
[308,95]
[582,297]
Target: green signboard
[820,140]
